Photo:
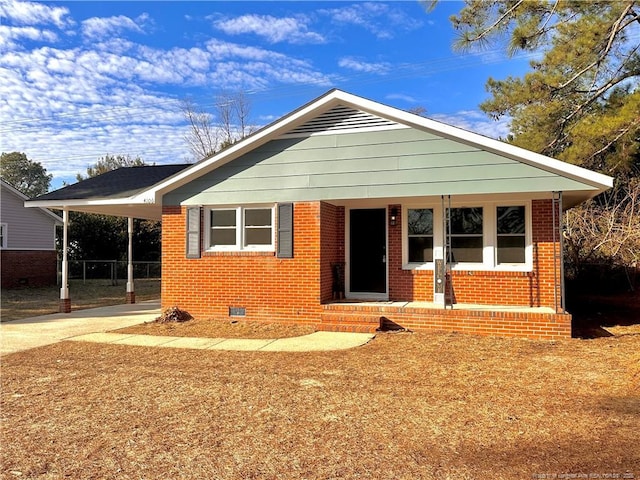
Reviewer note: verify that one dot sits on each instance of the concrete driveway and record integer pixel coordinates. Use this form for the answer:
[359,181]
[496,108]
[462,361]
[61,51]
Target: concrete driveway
[33,332]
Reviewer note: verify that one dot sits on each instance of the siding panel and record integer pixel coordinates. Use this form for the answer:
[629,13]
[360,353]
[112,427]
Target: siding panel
[28,228]
[393,163]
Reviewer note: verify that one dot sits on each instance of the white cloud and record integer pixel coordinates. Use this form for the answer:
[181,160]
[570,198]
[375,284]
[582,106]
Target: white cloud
[401,97]
[9,36]
[477,122]
[236,64]
[101,27]
[274,30]
[365,67]
[66,152]
[380,19]
[29,13]
[66,107]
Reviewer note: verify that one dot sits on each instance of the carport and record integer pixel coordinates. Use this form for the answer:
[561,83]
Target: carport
[121,193]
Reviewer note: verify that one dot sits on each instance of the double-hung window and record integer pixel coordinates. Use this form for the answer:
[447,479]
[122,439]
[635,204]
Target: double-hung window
[511,239]
[486,236]
[466,234]
[224,228]
[420,235]
[241,228]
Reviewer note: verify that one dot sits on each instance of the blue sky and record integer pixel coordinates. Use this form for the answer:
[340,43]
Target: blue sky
[79,80]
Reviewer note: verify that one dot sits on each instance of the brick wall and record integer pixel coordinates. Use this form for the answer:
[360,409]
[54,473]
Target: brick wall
[293,290]
[28,268]
[368,318]
[269,288]
[533,289]
[332,252]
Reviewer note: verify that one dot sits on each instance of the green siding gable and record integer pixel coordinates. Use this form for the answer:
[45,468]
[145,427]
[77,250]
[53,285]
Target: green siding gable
[374,164]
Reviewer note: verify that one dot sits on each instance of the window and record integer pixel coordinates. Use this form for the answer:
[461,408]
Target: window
[241,228]
[257,227]
[466,234]
[492,235]
[3,235]
[420,233]
[511,239]
[223,228]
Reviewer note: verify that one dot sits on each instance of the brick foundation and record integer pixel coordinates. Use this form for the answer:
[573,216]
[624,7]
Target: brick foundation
[370,317]
[130,298]
[28,268]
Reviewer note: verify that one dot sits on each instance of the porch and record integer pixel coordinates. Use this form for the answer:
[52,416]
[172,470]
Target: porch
[500,320]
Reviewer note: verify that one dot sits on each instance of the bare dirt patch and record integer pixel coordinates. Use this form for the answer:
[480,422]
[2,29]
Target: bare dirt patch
[405,406]
[214,328]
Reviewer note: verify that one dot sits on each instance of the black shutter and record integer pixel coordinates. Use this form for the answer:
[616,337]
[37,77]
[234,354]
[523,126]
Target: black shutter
[193,232]
[285,230]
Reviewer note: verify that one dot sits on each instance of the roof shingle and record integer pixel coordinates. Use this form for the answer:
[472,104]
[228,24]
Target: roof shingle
[119,183]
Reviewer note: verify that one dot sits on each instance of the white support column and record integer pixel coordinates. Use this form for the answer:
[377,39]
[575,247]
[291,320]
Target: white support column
[65,301]
[131,295]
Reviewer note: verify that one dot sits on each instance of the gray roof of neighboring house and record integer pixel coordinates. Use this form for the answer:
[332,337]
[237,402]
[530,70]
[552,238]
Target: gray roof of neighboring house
[126,181]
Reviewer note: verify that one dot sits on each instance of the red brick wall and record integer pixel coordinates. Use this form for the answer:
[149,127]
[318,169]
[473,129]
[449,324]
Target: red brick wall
[270,288]
[292,290]
[369,317]
[534,289]
[28,268]
[332,250]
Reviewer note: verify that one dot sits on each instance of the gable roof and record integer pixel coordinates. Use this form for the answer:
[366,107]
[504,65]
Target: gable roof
[337,110]
[139,193]
[10,188]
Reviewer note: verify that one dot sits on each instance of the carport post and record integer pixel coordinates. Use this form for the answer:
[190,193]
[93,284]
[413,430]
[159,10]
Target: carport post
[131,294]
[65,301]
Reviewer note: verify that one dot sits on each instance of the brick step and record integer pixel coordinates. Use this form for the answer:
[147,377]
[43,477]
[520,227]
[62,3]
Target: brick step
[350,318]
[349,322]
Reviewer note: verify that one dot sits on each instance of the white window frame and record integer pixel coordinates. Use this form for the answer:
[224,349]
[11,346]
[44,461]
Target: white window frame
[489,234]
[240,229]
[473,265]
[528,248]
[3,237]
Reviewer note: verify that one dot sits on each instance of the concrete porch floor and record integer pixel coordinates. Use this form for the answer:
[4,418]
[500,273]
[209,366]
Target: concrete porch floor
[435,306]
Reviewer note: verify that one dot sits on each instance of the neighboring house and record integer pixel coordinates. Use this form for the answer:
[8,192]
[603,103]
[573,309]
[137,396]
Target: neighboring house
[27,241]
[346,197]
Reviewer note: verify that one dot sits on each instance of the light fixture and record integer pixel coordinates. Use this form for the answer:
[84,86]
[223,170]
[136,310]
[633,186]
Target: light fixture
[394,216]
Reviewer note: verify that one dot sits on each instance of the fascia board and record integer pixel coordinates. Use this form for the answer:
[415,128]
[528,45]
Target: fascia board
[61,204]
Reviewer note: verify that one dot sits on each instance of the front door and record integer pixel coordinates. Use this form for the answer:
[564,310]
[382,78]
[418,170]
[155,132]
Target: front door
[368,251]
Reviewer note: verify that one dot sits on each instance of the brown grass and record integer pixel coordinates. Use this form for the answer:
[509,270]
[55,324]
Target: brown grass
[219,329]
[405,406]
[31,302]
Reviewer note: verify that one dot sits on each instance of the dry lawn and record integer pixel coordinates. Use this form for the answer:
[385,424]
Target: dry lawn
[219,329]
[31,302]
[404,406]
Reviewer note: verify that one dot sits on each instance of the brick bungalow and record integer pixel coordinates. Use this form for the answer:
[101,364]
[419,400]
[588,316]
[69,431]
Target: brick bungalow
[350,215]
